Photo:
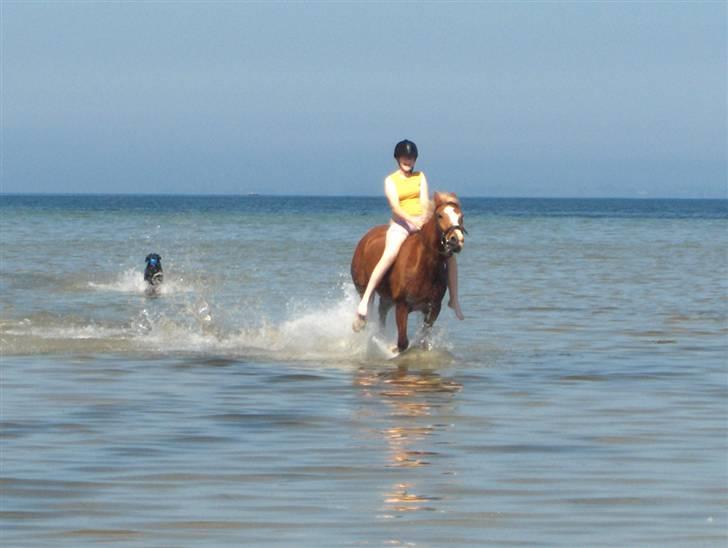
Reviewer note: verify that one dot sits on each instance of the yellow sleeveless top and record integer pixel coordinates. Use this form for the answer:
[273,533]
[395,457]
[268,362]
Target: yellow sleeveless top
[408,190]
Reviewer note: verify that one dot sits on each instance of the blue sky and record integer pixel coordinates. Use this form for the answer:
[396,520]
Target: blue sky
[503,99]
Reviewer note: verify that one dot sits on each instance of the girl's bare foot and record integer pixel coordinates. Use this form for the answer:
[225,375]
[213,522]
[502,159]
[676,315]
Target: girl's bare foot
[359,323]
[361,316]
[456,308]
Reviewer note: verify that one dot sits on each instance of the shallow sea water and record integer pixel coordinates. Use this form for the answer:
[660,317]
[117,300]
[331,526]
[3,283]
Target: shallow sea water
[581,403]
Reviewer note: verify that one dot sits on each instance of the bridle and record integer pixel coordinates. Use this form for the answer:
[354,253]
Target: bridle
[445,249]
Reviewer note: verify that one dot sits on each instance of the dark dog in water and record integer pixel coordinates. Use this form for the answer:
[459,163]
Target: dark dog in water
[153,274]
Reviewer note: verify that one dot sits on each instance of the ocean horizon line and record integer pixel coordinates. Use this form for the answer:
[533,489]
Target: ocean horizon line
[367,196]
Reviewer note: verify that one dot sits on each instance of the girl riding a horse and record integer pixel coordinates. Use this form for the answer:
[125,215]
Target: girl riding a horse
[407,193]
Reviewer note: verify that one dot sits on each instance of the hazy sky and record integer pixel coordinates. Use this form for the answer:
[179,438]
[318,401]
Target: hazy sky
[503,99]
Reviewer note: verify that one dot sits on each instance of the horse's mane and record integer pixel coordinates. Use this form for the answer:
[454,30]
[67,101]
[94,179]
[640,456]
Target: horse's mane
[441,199]
[446,198]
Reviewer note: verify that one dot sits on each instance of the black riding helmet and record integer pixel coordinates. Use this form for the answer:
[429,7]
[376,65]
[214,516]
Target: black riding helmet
[405,148]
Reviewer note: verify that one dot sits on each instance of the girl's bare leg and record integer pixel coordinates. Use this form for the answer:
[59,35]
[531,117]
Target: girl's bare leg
[394,241]
[452,287]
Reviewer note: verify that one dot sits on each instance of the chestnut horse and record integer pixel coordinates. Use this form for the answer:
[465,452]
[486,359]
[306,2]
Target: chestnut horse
[418,278]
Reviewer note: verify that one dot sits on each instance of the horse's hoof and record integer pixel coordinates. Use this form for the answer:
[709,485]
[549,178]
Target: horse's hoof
[359,323]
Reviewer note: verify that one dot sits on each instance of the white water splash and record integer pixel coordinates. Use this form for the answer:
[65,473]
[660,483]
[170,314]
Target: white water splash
[321,332]
[318,332]
[132,281]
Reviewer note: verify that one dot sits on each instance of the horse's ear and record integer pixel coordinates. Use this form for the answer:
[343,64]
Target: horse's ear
[440,198]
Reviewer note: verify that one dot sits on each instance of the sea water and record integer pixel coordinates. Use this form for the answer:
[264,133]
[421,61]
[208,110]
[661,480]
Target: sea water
[581,403]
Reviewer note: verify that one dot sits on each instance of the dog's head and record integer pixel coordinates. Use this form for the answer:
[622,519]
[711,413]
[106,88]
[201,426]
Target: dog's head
[153,272]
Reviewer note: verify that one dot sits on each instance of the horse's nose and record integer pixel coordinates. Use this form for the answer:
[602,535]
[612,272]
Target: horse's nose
[456,244]
[457,239]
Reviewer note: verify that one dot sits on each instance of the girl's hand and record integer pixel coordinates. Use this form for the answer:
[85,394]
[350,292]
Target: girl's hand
[417,222]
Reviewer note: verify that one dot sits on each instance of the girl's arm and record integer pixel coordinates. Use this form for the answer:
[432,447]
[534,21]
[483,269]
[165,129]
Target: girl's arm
[390,190]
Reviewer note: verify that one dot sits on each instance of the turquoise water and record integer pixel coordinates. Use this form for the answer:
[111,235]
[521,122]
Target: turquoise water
[582,401]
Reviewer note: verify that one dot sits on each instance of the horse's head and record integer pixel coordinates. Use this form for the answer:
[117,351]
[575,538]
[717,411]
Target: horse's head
[449,220]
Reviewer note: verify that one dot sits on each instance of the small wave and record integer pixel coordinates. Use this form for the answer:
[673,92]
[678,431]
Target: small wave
[39,336]
[84,332]
[132,281]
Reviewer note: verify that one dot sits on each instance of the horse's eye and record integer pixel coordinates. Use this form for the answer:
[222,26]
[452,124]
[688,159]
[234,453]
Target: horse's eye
[439,215]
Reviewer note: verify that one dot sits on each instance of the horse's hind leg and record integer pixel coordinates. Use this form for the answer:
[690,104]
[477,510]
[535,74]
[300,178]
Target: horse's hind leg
[384,306]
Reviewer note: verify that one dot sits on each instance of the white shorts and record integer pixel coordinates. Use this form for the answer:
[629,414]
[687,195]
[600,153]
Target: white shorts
[399,229]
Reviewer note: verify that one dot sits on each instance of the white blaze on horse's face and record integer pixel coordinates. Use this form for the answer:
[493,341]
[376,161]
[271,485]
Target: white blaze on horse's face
[454,217]
[450,212]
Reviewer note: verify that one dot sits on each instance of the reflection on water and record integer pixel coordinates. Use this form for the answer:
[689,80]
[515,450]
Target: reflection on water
[412,404]
[401,499]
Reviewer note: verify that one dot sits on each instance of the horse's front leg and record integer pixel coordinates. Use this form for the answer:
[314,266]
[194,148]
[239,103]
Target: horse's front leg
[402,313]
[431,314]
